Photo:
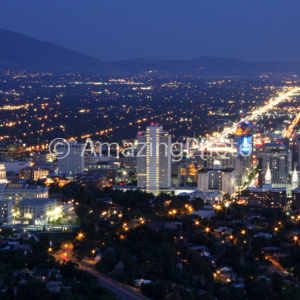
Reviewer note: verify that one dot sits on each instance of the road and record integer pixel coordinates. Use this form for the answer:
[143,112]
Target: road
[118,289]
[273,102]
[278,268]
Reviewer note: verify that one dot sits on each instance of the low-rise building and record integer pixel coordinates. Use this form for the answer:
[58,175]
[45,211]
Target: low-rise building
[91,180]
[18,192]
[39,210]
[296,198]
[267,196]
[34,173]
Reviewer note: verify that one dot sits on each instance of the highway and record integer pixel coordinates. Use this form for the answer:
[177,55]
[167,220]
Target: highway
[253,116]
[290,130]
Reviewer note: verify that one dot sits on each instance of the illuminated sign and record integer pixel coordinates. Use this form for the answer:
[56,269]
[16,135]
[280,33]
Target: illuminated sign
[246,146]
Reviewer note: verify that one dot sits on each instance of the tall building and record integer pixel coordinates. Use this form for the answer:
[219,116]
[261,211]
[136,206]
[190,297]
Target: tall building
[73,162]
[216,179]
[243,142]
[154,158]
[278,158]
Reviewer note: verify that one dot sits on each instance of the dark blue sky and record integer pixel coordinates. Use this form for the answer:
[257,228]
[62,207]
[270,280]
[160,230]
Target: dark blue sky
[252,30]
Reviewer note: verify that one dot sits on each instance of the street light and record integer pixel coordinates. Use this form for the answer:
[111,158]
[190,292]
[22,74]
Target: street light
[93,251]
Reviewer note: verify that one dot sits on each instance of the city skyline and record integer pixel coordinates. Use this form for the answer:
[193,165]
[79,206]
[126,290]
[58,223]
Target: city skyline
[161,178]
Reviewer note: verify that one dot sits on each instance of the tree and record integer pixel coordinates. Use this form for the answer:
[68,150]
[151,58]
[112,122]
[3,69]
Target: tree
[33,290]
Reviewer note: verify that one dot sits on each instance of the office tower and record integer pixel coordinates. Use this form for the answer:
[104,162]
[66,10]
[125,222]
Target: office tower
[242,141]
[278,158]
[154,158]
[72,163]
[217,179]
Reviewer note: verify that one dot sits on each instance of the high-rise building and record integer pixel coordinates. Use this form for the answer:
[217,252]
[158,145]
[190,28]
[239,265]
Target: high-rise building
[243,142]
[216,179]
[154,158]
[73,162]
[278,158]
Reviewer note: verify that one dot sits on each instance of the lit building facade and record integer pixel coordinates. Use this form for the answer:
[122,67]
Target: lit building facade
[268,196]
[2,174]
[73,162]
[216,179]
[34,173]
[39,209]
[17,192]
[5,211]
[154,159]
[278,157]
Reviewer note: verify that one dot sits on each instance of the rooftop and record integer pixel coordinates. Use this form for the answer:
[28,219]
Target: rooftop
[37,201]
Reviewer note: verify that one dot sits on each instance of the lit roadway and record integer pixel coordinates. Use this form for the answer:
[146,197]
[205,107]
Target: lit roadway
[117,288]
[253,116]
[278,268]
[289,131]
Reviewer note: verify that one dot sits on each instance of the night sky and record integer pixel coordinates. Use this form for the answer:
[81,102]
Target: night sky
[251,30]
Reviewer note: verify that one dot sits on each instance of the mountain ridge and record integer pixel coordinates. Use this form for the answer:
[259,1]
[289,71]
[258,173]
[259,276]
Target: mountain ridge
[21,52]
